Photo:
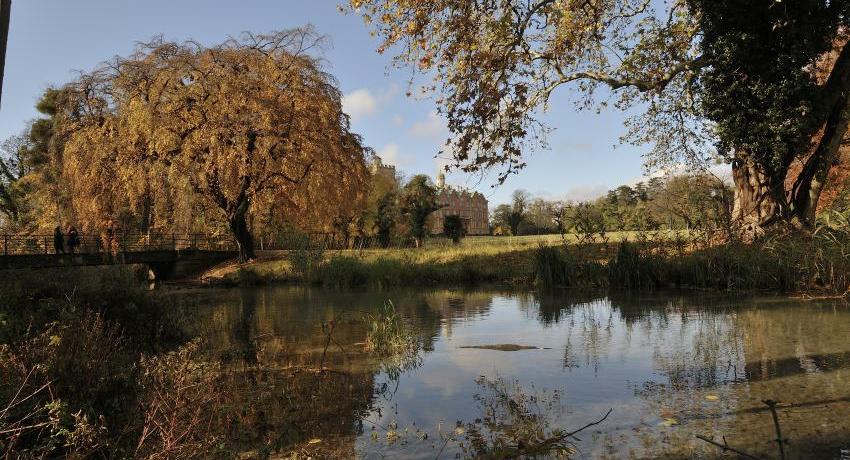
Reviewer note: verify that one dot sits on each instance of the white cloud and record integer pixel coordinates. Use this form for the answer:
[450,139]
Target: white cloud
[398,120]
[389,93]
[359,103]
[722,171]
[391,154]
[433,127]
[585,193]
[364,102]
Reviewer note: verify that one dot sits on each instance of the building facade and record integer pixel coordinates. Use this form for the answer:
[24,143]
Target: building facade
[470,206]
[378,168]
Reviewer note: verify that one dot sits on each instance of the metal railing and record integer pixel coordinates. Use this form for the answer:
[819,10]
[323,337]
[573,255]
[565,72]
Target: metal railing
[15,244]
[326,241]
[20,244]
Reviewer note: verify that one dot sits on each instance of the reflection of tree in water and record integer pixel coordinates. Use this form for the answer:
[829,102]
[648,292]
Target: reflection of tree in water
[515,421]
[450,306]
[295,362]
[700,351]
[591,326]
[550,307]
[797,341]
[697,345]
[796,352]
[243,337]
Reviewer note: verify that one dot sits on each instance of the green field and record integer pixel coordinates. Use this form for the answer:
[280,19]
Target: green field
[525,241]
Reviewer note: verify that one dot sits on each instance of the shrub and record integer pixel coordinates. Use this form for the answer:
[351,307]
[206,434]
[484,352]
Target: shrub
[453,228]
[305,257]
[553,267]
[181,405]
[342,272]
[67,390]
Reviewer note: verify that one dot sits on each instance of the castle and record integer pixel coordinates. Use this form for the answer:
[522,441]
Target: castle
[470,206]
[378,168]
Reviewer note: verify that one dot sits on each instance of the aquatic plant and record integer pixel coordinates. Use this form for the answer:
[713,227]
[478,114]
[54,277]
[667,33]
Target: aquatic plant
[388,333]
[517,422]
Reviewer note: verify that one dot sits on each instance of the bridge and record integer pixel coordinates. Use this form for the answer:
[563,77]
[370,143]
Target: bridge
[166,255]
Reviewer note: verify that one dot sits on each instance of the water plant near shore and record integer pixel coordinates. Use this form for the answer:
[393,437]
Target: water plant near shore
[819,264]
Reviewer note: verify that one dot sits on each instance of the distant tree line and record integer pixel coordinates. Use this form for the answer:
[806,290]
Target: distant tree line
[693,201]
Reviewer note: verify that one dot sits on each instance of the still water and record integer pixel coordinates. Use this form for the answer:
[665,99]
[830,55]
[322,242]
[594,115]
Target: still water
[670,366]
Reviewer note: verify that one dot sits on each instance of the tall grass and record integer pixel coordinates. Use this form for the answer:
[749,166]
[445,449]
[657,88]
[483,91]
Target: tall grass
[782,264]
[640,261]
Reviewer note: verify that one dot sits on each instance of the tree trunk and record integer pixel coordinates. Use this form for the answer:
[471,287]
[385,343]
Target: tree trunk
[811,180]
[756,203]
[244,240]
[5,11]
[761,200]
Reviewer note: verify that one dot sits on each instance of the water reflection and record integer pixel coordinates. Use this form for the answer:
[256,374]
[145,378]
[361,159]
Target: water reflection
[672,366]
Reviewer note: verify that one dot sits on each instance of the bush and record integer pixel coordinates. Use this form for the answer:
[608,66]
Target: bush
[342,272]
[305,258]
[181,404]
[67,390]
[784,263]
[453,228]
[557,267]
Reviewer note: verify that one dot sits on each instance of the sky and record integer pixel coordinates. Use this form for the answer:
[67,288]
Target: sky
[51,40]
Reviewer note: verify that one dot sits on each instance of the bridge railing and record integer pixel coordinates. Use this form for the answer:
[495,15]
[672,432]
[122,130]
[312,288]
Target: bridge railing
[15,244]
[18,244]
[325,241]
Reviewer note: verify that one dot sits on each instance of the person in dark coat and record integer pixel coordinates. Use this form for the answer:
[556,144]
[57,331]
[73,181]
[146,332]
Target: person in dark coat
[58,240]
[73,239]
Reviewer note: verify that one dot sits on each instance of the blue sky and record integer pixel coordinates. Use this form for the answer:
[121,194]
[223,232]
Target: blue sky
[50,39]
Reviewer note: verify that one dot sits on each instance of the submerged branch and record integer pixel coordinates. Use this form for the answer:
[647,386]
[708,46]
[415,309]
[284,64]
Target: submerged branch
[726,447]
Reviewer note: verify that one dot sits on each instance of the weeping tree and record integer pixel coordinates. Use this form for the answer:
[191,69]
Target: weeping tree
[761,84]
[250,122]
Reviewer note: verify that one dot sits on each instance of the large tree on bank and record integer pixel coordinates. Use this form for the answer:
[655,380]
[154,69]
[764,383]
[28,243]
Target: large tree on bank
[762,84]
[250,122]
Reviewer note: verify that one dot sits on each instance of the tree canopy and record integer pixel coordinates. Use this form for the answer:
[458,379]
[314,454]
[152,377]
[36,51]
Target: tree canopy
[745,81]
[247,123]
[417,202]
[29,170]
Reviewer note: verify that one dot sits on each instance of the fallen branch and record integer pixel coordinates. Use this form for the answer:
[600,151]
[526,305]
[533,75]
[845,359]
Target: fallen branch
[726,447]
[780,441]
[548,443]
[573,433]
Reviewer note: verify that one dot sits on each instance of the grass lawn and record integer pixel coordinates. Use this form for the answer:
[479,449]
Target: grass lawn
[501,259]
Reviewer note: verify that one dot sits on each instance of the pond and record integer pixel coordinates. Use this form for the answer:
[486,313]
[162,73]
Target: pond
[670,367]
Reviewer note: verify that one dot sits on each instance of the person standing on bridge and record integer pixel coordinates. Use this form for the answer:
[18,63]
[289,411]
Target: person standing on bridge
[73,238]
[58,240]
[110,239]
